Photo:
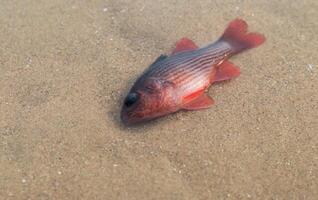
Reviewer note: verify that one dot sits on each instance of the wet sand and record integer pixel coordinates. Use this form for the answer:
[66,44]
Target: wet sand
[65,67]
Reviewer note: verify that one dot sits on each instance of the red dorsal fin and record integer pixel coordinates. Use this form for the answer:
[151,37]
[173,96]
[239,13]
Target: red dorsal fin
[203,101]
[226,71]
[184,44]
[237,36]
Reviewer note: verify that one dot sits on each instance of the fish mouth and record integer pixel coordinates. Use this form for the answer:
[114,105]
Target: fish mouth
[124,118]
[132,119]
[129,119]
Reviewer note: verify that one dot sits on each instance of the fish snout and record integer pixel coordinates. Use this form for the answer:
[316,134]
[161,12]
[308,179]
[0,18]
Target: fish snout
[125,117]
[128,118]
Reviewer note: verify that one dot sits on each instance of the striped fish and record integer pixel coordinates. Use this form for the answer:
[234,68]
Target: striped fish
[179,81]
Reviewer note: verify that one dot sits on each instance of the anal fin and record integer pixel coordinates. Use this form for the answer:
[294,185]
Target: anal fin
[226,71]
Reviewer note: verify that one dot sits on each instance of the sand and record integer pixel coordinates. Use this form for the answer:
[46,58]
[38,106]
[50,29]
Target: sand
[65,67]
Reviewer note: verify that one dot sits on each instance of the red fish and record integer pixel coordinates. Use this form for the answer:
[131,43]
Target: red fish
[179,81]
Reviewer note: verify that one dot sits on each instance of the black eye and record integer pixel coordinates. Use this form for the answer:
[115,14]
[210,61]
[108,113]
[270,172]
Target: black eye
[131,99]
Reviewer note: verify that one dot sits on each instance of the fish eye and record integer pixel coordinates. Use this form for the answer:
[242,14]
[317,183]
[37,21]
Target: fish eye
[131,99]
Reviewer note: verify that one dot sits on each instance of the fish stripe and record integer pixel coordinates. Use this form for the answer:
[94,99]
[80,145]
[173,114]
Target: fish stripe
[184,58]
[195,74]
[190,68]
[203,70]
[198,53]
[190,64]
[205,51]
[186,62]
[194,80]
[200,66]
[182,55]
[198,81]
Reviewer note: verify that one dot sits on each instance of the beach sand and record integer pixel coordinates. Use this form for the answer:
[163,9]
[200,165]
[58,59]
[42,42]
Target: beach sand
[65,67]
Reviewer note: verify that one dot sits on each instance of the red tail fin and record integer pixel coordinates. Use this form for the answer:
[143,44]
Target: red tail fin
[236,35]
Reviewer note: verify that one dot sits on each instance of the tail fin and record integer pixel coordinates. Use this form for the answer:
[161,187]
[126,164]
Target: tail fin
[236,35]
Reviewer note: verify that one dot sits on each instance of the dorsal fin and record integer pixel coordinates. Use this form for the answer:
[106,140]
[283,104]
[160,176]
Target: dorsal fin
[184,44]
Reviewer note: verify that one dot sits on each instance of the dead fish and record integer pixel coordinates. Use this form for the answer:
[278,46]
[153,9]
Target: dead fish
[179,81]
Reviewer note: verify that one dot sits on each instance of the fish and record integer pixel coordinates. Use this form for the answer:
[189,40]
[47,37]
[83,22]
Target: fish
[179,81]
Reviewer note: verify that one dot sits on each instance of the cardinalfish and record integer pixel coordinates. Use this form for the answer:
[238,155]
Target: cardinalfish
[179,81]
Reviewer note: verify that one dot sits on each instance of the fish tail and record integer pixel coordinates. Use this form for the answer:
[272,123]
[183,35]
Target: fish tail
[237,36]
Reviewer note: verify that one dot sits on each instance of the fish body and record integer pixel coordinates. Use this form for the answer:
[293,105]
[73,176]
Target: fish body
[179,81]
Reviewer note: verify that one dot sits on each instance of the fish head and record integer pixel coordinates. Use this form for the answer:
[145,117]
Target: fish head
[148,100]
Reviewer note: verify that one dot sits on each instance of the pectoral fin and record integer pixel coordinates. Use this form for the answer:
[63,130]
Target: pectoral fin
[202,102]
